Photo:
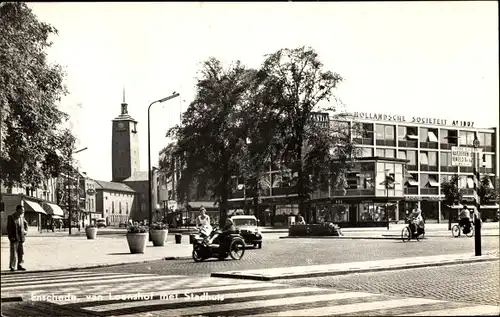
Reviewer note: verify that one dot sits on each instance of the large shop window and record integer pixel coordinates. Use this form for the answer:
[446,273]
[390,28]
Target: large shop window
[462,181]
[470,182]
[338,213]
[371,212]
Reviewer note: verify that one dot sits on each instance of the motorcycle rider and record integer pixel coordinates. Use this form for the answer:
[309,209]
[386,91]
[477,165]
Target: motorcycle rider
[220,236]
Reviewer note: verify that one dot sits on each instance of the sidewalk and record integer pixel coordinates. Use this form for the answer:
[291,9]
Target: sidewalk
[357,267]
[53,253]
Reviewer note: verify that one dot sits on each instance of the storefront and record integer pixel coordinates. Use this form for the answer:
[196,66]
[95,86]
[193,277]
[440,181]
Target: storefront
[34,214]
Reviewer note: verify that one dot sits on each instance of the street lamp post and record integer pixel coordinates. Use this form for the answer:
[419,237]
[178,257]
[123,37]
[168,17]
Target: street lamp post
[150,198]
[69,194]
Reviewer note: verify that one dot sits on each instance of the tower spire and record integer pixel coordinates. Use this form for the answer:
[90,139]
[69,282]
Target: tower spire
[124,104]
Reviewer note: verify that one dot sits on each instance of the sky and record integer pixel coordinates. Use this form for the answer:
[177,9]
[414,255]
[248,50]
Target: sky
[433,59]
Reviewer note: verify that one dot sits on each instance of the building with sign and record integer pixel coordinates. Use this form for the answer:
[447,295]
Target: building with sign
[426,150]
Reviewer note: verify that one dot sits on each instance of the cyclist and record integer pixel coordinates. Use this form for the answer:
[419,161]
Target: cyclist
[417,225]
[464,221]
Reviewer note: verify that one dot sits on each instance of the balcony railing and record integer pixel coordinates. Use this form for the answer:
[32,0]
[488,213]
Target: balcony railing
[408,143]
[428,145]
[449,169]
[386,142]
[365,141]
[447,146]
[429,191]
[411,191]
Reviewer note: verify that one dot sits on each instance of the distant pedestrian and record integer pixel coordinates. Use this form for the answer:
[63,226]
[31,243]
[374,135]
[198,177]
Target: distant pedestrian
[17,227]
[300,220]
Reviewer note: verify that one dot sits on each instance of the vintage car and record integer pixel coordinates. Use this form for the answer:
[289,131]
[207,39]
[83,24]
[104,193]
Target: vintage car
[249,229]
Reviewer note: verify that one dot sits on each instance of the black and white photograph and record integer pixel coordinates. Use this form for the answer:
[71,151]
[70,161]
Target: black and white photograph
[249,158]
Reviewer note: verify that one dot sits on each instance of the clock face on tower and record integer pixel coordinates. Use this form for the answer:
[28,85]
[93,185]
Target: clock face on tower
[120,126]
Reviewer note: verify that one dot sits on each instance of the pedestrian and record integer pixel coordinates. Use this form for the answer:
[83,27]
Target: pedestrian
[17,227]
[300,220]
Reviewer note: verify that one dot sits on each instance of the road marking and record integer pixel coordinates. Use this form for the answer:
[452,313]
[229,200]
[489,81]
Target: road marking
[282,291]
[480,310]
[282,302]
[352,308]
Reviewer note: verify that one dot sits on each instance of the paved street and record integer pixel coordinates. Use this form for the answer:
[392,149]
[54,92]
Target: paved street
[122,294]
[469,283]
[298,252]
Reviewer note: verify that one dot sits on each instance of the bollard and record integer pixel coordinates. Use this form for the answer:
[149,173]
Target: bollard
[477,235]
[178,238]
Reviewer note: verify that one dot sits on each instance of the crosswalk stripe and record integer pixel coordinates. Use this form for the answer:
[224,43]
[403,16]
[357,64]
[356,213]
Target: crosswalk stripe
[128,279]
[193,290]
[282,302]
[480,310]
[352,308]
[101,277]
[282,291]
[24,276]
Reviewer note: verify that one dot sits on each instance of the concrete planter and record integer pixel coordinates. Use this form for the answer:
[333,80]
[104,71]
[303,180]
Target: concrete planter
[91,233]
[159,237]
[137,242]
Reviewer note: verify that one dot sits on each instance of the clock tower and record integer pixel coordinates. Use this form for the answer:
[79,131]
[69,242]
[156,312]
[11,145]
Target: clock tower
[125,145]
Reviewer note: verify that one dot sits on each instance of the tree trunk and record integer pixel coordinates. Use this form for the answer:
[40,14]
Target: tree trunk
[223,201]
[301,183]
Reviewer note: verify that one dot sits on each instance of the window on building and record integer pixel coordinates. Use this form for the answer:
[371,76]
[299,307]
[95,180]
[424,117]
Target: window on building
[402,155]
[443,136]
[432,135]
[409,155]
[407,133]
[112,207]
[433,180]
[424,159]
[462,181]
[467,137]
[423,134]
[432,158]
[424,180]
[445,158]
[126,206]
[120,207]
[470,182]
[367,152]
[385,132]
[485,139]
[412,179]
[488,160]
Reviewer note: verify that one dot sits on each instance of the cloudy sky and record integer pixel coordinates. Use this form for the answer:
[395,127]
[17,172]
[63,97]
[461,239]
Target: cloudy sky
[433,59]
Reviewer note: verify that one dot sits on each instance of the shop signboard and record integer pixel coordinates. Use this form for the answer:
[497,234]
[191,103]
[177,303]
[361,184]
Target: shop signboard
[461,156]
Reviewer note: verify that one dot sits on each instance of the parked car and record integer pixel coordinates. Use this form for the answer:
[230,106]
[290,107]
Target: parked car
[249,229]
[122,224]
[101,223]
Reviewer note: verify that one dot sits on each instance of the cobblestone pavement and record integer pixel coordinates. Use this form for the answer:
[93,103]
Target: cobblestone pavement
[477,283]
[290,252]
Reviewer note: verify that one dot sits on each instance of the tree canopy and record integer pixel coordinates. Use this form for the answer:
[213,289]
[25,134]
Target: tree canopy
[33,144]
[244,121]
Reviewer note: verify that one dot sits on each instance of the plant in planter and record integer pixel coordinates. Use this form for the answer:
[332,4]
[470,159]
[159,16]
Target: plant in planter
[91,231]
[137,237]
[159,233]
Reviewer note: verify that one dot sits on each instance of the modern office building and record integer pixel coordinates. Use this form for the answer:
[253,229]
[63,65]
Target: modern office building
[416,151]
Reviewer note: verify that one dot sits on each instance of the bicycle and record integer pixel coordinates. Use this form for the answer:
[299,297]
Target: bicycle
[457,230]
[407,234]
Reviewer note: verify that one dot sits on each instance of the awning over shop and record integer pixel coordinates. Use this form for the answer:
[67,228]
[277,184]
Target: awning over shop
[56,217]
[33,206]
[495,206]
[412,182]
[53,209]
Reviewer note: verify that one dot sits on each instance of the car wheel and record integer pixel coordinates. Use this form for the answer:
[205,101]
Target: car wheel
[260,245]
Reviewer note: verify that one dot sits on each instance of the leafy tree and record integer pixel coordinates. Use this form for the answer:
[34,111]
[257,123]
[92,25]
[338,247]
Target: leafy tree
[297,83]
[33,146]
[486,191]
[211,136]
[452,194]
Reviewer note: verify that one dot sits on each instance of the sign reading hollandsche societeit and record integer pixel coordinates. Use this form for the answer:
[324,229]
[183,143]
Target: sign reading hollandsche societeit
[420,120]
[461,156]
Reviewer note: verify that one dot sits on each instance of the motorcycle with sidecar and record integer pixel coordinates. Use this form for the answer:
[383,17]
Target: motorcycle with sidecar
[224,245]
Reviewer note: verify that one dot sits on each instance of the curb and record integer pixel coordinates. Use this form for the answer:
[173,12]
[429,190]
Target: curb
[343,237]
[8,273]
[350,271]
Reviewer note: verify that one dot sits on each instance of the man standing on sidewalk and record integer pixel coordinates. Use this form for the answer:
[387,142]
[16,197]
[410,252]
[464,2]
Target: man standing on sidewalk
[17,227]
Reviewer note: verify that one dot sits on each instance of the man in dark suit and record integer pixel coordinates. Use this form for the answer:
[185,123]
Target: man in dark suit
[17,227]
